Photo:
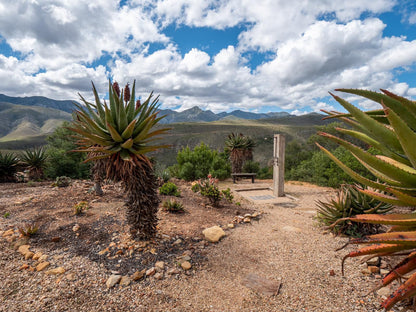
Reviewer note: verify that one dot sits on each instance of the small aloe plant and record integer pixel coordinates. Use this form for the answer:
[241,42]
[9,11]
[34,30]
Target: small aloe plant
[390,130]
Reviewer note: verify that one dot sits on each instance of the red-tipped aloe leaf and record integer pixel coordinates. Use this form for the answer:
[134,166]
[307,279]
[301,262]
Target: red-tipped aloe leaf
[386,198]
[407,265]
[407,239]
[402,219]
[406,290]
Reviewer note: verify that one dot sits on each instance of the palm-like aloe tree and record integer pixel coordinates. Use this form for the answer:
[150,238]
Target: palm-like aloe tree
[8,167]
[240,149]
[35,161]
[118,135]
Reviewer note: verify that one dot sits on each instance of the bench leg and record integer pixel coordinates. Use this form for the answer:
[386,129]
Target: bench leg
[233,179]
[252,179]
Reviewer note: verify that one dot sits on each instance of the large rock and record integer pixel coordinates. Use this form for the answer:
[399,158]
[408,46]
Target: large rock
[213,234]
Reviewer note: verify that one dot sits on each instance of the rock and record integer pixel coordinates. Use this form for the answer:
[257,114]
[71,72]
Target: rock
[43,258]
[261,284]
[151,271]
[103,252]
[385,291]
[173,271]
[247,220]
[384,271]
[41,266]
[125,281]
[186,265]
[20,242]
[159,276]
[230,225]
[247,215]
[113,280]
[213,234]
[24,250]
[373,269]
[160,266]
[70,277]
[383,264]
[24,267]
[76,227]
[366,271]
[58,257]
[8,233]
[331,273]
[138,275]
[373,262]
[37,255]
[55,239]
[187,253]
[177,242]
[56,271]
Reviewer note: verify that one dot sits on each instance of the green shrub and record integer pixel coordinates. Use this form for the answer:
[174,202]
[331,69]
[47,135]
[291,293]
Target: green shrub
[29,229]
[61,161]
[80,207]
[173,206]
[8,167]
[169,188]
[208,188]
[265,173]
[63,181]
[227,195]
[199,162]
[251,166]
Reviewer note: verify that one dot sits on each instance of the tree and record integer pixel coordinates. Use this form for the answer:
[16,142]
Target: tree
[240,149]
[119,135]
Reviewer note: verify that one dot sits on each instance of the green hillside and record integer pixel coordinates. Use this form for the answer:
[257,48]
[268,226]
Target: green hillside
[20,125]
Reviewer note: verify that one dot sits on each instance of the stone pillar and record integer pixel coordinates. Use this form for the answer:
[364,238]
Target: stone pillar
[279,165]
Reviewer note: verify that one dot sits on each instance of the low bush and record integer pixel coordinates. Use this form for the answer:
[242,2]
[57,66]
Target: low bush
[170,189]
[173,206]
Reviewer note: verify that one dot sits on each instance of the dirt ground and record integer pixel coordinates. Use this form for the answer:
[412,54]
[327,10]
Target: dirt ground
[281,261]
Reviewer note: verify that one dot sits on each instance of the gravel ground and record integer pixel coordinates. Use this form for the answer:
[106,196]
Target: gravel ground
[284,246]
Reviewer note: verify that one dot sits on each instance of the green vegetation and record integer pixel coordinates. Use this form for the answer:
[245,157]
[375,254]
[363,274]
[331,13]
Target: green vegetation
[173,206]
[391,131]
[169,188]
[29,229]
[199,162]
[119,135]
[349,202]
[35,161]
[80,207]
[209,189]
[8,167]
[240,149]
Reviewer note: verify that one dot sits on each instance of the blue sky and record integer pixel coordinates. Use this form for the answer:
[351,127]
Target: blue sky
[220,55]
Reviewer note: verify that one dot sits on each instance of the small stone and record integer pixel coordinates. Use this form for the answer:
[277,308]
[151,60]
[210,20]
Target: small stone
[230,225]
[43,258]
[247,215]
[70,277]
[373,269]
[151,271]
[37,255]
[159,276]
[247,220]
[55,239]
[213,234]
[177,242]
[8,233]
[366,271]
[58,257]
[373,262]
[160,266]
[384,271]
[41,266]
[125,281]
[173,271]
[23,249]
[103,252]
[24,266]
[113,280]
[187,253]
[75,228]
[385,291]
[20,242]
[383,264]
[184,258]
[138,275]
[186,265]
[56,271]
[29,255]
[331,273]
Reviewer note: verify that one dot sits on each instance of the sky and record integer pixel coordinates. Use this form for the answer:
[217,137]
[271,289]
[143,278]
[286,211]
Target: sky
[221,55]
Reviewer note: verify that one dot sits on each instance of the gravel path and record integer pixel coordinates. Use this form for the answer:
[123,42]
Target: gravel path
[284,246]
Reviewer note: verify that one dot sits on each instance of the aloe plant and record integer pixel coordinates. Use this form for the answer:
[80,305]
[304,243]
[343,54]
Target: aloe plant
[8,167]
[391,130]
[119,135]
[35,161]
[240,149]
[349,202]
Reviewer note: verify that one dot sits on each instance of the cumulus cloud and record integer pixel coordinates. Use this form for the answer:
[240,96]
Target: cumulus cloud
[314,46]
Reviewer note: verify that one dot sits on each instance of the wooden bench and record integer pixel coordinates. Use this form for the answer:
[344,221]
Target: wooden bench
[243,175]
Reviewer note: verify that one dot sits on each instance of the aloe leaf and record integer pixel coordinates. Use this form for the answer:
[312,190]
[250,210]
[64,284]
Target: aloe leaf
[128,144]
[98,103]
[410,200]
[111,96]
[406,136]
[397,172]
[379,131]
[129,130]
[407,239]
[410,105]
[388,101]
[132,103]
[114,134]
[407,265]
[359,178]
[406,290]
